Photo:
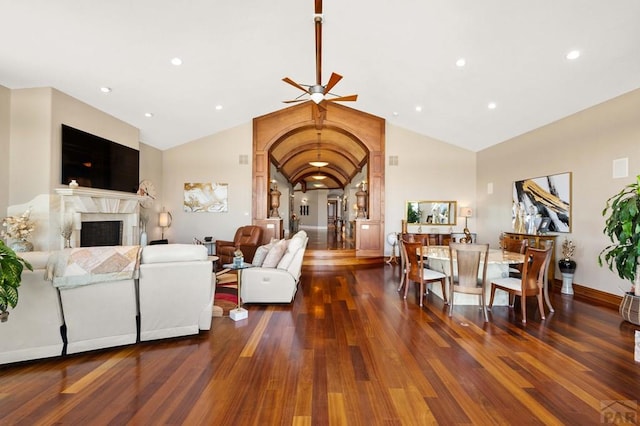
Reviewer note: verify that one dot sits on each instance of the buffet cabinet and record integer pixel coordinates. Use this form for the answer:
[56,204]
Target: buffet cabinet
[539,242]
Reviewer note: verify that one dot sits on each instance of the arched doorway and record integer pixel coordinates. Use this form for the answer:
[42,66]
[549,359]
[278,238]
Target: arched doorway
[289,136]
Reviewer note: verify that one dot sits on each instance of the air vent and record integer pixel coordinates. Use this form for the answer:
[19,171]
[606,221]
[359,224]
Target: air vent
[393,160]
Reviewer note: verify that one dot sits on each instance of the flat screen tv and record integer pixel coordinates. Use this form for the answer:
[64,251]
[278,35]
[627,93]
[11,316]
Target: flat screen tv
[96,162]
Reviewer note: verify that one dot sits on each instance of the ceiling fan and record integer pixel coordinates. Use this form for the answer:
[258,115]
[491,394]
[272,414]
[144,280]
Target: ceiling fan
[319,93]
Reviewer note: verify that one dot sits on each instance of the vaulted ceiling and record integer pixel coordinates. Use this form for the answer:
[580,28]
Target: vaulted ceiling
[345,157]
[398,56]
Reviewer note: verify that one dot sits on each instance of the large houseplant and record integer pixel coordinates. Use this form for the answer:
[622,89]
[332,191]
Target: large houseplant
[11,267]
[623,229]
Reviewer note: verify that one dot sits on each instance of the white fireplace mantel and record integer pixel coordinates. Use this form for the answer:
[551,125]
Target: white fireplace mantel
[90,204]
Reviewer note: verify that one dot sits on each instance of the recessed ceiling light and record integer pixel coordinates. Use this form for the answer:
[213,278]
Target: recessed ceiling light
[176,61]
[218,107]
[148,114]
[395,113]
[574,54]
[491,105]
[461,62]
[105,89]
[418,108]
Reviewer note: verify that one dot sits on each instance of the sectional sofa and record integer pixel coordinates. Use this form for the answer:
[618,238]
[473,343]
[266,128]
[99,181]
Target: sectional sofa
[170,293]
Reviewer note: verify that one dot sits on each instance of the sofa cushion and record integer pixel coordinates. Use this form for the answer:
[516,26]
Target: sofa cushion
[275,254]
[295,243]
[37,259]
[173,253]
[261,254]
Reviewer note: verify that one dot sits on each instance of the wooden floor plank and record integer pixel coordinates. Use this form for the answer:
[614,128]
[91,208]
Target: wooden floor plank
[348,350]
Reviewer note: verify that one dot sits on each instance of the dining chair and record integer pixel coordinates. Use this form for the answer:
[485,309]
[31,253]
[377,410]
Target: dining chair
[403,258]
[515,246]
[468,264]
[530,284]
[415,269]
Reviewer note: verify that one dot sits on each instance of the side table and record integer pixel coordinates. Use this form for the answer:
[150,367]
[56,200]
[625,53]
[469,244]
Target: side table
[239,313]
[211,247]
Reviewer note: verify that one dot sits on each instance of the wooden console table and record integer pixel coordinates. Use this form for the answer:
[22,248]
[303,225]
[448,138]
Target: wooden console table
[539,242]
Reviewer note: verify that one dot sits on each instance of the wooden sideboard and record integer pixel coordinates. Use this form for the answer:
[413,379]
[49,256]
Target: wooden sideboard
[539,242]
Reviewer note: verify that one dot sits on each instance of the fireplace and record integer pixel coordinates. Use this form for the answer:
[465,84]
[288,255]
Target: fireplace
[102,233]
[100,217]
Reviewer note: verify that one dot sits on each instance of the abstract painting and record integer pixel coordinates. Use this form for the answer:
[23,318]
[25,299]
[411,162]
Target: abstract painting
[544,197]
[205,197]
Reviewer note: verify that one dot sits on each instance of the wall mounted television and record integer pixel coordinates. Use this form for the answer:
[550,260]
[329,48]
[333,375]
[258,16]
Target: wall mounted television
[96,162]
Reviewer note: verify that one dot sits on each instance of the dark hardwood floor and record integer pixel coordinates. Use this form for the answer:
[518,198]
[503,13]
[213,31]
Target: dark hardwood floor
[348,350]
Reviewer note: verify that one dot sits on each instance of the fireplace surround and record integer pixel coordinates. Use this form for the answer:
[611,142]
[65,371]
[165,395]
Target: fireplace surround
[81,205]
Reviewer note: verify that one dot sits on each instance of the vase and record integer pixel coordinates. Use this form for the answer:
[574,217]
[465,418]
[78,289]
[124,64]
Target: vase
[567,268]
[4,316]
[21,246]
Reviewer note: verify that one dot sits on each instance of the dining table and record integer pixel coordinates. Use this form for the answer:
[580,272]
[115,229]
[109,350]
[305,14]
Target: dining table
[497,267]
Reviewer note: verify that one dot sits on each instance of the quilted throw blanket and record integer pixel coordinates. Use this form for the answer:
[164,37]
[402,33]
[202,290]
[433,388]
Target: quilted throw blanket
[87,265]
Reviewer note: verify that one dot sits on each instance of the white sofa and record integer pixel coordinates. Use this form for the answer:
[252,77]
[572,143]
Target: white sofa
[275,284]
[173,296]
[176,291]
[33,329]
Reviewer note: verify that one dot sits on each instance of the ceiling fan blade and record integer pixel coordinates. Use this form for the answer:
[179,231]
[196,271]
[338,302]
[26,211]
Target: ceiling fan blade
[333,80]
[318,6]
[344,98]
[295,100]
[294,84]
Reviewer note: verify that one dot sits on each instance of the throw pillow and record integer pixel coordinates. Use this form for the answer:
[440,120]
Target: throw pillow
[275,254]
[261,254]
[295,243]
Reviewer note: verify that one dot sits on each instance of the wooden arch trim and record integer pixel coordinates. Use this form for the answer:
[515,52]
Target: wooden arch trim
[366,129]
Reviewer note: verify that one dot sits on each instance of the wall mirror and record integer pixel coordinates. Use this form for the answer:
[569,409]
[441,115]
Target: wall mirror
[431,213]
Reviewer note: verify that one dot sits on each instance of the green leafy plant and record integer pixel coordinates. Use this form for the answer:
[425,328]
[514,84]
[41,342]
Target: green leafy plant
[11,267]
[623,229]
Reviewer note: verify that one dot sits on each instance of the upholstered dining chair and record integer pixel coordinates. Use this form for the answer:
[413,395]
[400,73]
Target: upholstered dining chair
[516,246]
[468,263]
[530,284]
[415,269]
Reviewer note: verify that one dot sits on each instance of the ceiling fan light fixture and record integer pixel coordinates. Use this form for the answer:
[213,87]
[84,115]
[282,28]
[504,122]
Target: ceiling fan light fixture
[317,97]
[318,163]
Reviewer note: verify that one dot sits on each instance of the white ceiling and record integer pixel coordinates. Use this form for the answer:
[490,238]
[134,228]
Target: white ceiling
[394,54]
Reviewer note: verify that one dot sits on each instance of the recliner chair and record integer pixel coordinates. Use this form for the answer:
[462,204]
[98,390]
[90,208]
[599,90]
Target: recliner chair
[247,239]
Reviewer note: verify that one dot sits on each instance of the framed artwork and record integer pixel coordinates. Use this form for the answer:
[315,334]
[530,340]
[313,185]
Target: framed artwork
[541,200]
[205,197]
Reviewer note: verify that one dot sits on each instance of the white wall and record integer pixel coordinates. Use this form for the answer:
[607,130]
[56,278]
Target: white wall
[215,159]
[5,115]
[584,144]
[427,169]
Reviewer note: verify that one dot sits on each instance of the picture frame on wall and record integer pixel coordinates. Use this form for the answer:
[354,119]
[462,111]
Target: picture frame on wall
[544,199]
[205,197]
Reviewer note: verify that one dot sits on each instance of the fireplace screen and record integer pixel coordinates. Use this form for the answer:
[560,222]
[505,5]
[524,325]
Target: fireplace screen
[103,233]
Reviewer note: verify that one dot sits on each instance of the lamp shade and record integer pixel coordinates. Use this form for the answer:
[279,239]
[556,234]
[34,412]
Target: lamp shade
[164,220]
[466,211]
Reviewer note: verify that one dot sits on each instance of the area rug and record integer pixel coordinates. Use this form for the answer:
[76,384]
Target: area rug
[226,296]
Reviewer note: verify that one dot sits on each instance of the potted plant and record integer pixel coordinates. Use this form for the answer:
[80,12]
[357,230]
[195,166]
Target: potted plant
[11,267]
[622,226]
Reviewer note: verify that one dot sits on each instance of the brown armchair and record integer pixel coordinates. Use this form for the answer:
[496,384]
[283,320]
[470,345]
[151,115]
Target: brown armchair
[247,239]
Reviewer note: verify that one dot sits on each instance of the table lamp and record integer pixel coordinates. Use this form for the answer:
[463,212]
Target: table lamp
[164,220]
[466,212]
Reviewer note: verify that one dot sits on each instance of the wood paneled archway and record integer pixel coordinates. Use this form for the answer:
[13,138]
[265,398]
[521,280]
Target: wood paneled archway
[354,127]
